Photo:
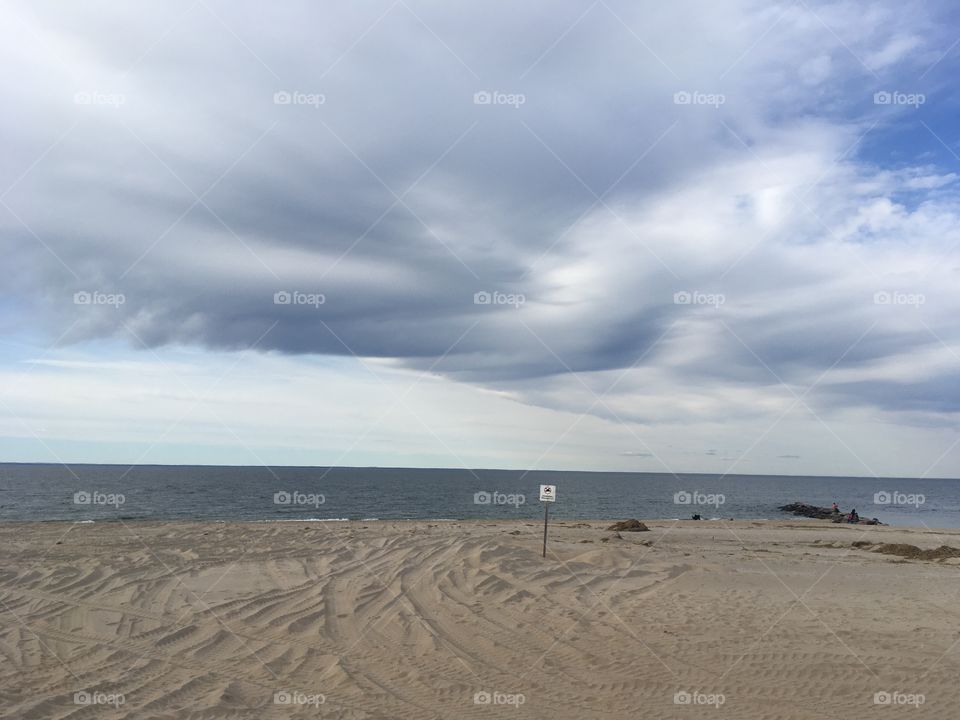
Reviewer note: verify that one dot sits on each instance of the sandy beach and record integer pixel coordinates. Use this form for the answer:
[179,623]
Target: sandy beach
[787,620]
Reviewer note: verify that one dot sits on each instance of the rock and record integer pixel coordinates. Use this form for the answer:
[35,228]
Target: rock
[822,513]
[629,526]
[810,511]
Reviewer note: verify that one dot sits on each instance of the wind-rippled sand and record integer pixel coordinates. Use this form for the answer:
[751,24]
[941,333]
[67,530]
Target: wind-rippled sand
[465,620]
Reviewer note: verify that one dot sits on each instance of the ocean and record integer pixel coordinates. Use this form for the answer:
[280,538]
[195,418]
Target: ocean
[162,492]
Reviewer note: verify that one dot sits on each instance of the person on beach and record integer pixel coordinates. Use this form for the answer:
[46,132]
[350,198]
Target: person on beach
[853,517]
[836,509]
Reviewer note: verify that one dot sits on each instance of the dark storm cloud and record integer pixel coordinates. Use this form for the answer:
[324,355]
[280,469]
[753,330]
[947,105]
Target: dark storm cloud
[937,395]
[386,188]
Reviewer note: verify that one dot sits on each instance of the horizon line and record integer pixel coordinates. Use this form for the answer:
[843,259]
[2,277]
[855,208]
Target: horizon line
[475,469]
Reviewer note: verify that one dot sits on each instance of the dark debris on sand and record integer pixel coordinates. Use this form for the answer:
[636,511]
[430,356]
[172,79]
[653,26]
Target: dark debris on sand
[629,526]
[910,552]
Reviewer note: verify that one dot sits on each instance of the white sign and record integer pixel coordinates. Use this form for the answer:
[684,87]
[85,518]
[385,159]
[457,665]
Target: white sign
[548,493]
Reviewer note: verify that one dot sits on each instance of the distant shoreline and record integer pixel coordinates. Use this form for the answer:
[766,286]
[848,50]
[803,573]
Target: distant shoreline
[527,471]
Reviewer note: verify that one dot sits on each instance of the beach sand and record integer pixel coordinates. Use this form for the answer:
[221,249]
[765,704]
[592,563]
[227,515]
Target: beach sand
[764,620]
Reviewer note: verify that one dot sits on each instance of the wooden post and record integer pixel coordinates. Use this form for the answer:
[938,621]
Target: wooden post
[546,509]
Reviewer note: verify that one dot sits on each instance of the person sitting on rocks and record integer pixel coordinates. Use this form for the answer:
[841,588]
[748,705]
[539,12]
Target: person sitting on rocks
[853,517]
[836,509]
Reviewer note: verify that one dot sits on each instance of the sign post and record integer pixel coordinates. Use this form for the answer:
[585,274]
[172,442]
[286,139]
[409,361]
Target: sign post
[548,494]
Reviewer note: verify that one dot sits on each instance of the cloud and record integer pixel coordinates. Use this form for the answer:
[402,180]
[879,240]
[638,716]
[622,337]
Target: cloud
[674,217]
[894,51]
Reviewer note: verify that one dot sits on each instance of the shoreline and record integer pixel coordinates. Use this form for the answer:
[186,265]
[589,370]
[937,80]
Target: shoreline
[679,522]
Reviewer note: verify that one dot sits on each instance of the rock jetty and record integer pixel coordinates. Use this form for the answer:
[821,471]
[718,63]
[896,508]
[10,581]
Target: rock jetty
[822,513]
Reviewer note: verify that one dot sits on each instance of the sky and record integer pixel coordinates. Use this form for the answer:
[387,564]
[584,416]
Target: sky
[609,235]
